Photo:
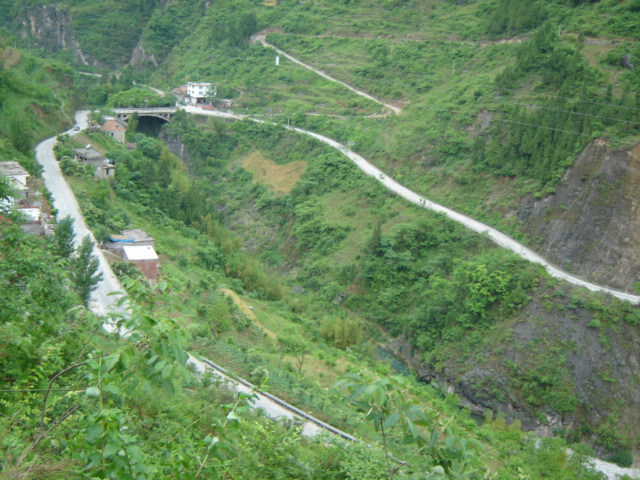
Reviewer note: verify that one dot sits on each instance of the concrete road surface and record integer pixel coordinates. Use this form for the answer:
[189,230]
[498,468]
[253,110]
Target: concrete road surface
[65,202]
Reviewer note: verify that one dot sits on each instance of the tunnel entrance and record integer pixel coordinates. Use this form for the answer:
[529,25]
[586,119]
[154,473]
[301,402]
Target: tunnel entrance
[150,125]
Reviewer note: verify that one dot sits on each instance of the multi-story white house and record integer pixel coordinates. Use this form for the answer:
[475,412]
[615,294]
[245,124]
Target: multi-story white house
[198,92]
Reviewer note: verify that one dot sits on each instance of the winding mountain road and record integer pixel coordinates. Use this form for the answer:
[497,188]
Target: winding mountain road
[66,204]
[496,236]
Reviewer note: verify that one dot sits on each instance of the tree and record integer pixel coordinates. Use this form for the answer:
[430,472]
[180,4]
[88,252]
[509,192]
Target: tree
[84,270]
[248,24]
[132,127]
[5,194]
[63,237]
[295,346]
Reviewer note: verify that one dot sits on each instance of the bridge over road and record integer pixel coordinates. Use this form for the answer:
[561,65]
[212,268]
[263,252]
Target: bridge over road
[163,113]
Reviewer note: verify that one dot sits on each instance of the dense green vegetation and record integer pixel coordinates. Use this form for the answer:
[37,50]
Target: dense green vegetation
[87,405]
[334,264]
[128,433]
[35,98]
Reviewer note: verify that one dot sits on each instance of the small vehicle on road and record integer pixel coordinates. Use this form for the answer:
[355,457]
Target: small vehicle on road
[76,128]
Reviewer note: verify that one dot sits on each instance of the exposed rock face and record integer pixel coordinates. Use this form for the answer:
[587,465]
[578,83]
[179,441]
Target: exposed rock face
[176,147]
[591,225]
[626,61]
[141,60]
[515,376]
[51,29]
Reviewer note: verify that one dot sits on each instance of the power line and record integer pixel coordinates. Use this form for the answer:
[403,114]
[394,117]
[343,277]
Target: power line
[574,99]
[549,128]
[613,140]
[576,113]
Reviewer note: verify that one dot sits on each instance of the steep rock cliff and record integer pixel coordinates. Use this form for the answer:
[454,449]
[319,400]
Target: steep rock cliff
[97,35]
[591,225]
[51,29]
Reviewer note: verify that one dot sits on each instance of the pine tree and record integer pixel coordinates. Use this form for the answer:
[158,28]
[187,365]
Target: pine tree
[63,237]
[84,270]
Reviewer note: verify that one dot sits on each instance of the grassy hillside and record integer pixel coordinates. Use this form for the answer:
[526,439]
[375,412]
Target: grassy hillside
[459,306]
[298,342]
[36,101]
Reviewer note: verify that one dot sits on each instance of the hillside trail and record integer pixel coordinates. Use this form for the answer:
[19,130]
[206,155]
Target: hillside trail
[262,39]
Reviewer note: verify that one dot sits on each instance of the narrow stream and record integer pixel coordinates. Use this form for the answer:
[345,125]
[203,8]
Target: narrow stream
[388,358]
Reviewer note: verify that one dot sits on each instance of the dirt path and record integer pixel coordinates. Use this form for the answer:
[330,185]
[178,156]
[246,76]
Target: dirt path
[262,39]
[247,310]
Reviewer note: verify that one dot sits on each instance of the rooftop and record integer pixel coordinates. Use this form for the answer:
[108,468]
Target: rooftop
[88,153]
[12,169]
[140,253]
[111,122]
[31,213]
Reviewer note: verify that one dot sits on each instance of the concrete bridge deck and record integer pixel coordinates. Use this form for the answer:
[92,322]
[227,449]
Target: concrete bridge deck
[164,113]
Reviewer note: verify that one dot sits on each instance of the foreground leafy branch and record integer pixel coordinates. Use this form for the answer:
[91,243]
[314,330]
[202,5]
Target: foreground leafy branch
[387,403]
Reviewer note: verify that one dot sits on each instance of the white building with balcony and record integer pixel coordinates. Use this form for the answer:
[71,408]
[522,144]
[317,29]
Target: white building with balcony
[198,92]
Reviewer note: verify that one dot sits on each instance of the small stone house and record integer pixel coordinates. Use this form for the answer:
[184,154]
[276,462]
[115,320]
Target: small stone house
[180,93]
[136,246]
[116,128]
[145,257]
[34,220]
[104,167]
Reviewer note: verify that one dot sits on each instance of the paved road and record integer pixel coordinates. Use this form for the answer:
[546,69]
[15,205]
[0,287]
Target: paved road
[65,202]
[496,236]
[273,406]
